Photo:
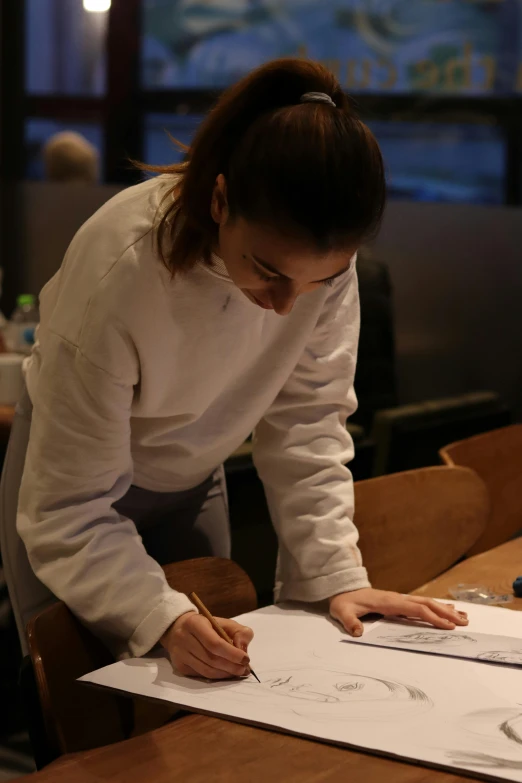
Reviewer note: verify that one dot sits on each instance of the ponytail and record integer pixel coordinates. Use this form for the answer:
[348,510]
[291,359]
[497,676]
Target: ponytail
[309,168]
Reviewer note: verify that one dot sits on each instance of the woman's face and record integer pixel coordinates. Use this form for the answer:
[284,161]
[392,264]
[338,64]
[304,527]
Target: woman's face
[271,270]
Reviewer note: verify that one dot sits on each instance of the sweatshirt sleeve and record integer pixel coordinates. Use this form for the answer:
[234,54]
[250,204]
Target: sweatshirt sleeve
[78,464]
[300,450]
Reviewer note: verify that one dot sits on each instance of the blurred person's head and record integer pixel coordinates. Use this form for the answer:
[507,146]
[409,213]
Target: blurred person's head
[69,157]
[282,181]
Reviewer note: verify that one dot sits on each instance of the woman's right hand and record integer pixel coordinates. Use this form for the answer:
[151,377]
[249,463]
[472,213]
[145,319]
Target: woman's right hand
[195,649]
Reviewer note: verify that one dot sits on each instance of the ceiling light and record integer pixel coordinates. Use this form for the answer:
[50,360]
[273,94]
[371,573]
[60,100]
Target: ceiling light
[96,6]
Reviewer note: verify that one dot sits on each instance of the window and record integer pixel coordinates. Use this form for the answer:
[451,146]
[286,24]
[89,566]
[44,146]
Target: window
[431,161]
[38,132]
[65,48]
[159,149]
[450,46]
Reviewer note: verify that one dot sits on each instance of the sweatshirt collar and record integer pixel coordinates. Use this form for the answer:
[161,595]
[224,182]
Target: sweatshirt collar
[216,267]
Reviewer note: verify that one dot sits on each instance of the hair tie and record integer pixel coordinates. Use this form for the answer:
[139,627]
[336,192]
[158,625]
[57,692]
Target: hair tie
[317,97]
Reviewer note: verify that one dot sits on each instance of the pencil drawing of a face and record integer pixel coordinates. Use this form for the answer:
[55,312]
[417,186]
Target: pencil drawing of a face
[499,656]
[316,691]
[330,690]
[432,638]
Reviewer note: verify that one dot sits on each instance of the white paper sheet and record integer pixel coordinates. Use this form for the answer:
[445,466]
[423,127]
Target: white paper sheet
[440,711]
[461,643]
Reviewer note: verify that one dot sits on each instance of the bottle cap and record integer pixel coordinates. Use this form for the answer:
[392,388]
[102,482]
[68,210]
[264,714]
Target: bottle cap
[25,299]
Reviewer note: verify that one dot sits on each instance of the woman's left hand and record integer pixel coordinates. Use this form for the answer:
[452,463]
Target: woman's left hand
[348,607]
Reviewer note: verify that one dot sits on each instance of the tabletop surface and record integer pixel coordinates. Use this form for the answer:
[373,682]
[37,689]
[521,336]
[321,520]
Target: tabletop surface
[200,748]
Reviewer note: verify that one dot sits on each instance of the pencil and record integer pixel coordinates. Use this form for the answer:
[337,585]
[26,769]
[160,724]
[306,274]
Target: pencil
[218,629]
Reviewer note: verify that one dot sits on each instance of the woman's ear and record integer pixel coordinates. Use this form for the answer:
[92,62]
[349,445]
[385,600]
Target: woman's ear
[219,205]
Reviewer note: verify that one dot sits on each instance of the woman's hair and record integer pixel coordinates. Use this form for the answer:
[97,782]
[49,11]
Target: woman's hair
[308,169]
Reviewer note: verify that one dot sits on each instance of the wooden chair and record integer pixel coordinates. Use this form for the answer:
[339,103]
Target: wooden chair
[497,458]
[77,717]
[415,525]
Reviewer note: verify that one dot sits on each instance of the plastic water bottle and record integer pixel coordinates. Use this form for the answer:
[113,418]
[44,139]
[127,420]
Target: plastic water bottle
[20,331]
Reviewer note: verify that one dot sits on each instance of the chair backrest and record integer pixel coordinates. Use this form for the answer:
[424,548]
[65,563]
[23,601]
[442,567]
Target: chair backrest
[77,717]
[410,436]
[415,525]
[497,458]
[222,585]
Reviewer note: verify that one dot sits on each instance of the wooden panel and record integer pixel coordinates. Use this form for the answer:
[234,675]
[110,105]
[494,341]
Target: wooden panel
[497,458]
[415,525]
[456,277]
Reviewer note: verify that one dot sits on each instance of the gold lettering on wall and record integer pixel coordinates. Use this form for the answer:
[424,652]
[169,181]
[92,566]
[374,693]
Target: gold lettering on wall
[391,79]
[351,74]
[428,74]
[334,66]
[490,71]
[460,67]
[456,75]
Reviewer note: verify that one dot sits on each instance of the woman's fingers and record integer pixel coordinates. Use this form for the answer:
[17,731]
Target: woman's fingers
[432,612]
[188,664]
[203,647]
[427,615]
[241,635]
[201,629]
[348,607]
[192,642]
[188,671]
[345,615]
[426,609]
[445,611]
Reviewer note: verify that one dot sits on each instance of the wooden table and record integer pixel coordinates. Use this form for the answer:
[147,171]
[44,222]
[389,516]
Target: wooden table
[496,569]
[198,748]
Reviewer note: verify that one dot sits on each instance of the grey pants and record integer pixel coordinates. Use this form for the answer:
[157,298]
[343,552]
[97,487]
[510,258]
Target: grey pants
[173,525]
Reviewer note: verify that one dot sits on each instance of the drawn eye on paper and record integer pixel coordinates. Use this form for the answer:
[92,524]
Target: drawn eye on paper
[502,656]
[431,638]
[342,695]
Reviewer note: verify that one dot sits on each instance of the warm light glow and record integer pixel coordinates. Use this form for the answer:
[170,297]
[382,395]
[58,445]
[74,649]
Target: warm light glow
[96,6]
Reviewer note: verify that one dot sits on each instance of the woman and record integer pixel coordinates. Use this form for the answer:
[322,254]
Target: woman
[163,344]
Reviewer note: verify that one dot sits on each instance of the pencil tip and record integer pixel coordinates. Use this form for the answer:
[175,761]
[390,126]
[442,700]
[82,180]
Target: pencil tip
[255,675]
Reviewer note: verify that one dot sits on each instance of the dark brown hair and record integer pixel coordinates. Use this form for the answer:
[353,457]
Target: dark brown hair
[306,168]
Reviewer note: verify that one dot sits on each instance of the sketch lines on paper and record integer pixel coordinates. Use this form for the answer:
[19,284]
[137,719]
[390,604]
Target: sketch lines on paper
[313,691]
[499,729]
[341,695]
[430,638]
[479,647]
[501,656]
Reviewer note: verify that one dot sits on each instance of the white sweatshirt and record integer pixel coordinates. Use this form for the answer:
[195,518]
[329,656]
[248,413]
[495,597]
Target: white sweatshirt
[142,378]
